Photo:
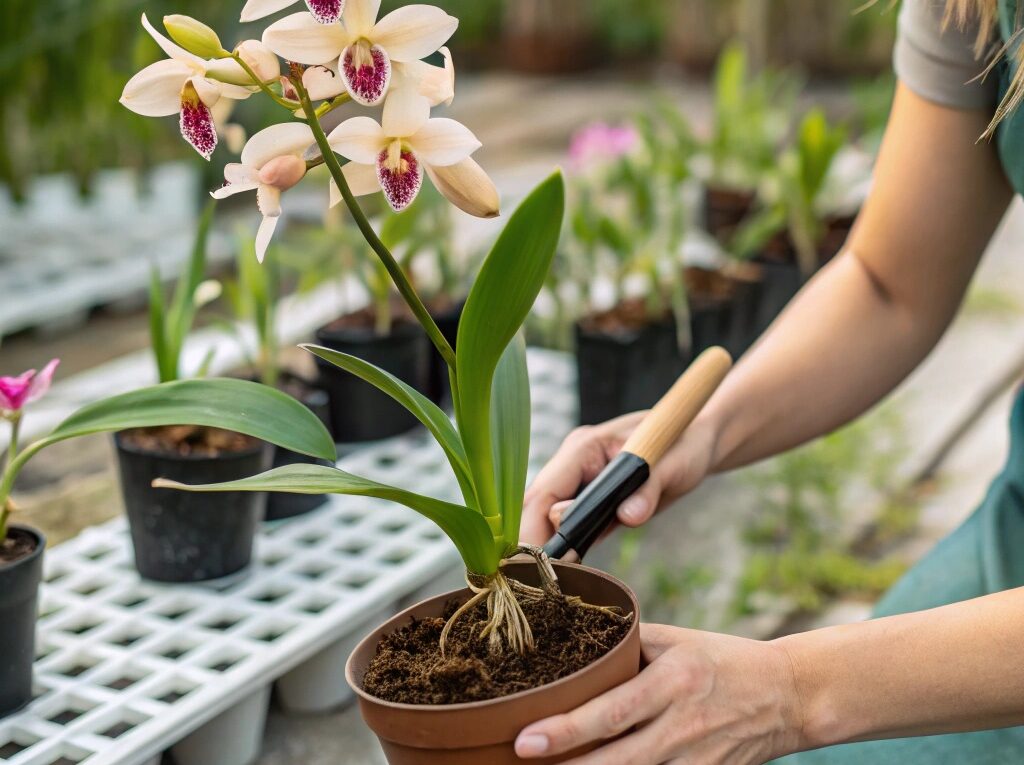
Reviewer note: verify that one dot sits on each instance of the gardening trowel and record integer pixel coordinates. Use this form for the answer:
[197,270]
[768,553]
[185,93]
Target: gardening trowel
[592,511]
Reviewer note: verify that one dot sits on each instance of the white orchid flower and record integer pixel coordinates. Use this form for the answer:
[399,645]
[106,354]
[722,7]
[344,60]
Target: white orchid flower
[392,157]
[324,11]
[272,162]
[181,85]
[435,83]
[364,48]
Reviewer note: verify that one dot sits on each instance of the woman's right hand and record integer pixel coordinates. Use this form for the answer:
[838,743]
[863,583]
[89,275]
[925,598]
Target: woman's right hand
[585,452]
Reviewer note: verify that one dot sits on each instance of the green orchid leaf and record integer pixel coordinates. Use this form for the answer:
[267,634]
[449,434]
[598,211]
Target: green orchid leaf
[157,327]
[238,405]
[510,436]
[466,528]
[425,410]
[509,282]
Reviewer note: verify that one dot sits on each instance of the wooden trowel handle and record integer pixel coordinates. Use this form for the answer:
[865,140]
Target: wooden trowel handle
[676,410]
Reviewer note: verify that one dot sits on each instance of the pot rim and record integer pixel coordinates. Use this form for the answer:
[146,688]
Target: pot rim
[27,560]
[129,448]
[357,686]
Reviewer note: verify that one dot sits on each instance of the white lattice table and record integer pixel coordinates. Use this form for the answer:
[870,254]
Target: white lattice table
[129,668]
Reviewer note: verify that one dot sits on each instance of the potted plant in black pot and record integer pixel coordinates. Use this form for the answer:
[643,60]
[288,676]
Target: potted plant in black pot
[253,299]
[794,231]
[720,296]
[751,120]
[379,328]
[241,406]
[200,538]
[621,252]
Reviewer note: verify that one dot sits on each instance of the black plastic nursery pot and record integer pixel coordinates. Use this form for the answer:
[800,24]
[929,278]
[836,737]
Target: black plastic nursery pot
[625,370]
[438,385]
[19,605]
[281,505]
[360,412]
[190,537]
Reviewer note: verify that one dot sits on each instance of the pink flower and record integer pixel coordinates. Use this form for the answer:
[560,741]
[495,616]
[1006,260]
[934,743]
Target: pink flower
[30,386]
[600,143]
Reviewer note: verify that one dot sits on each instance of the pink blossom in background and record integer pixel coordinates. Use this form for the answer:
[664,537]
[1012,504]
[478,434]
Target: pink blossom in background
[600,142]
[30,386]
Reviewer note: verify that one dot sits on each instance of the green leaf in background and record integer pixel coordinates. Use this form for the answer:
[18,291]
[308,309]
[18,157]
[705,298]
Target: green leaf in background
[510,437]
[466,528]
[157,328]
[425,410]
[169,330]
[238,405]
[817,145]
[501,297]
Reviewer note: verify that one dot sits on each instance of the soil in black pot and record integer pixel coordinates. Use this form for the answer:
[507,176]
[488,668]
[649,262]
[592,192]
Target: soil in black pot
[360,412]
[19,544]
[625,360]
[408,667]
[837,230]
[725,209]
[711,296]
[281,505]
[21,569]
[724,305]
[181,536]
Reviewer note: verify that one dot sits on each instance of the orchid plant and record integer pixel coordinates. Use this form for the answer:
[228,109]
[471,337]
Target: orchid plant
[338,53]
[238,405]
[627,221]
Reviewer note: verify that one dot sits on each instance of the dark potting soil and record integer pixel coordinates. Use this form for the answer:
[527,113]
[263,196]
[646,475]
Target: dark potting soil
[188,441]
[628,316]
[408,667]
[18,545]
[366,318]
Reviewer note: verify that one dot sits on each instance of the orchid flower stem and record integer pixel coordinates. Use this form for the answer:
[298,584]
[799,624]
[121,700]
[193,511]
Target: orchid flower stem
[285,102]
[329,106]
[394,269]
[12,447]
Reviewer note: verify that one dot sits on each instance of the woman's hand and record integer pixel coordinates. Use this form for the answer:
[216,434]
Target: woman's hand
[586,451]
[702,699]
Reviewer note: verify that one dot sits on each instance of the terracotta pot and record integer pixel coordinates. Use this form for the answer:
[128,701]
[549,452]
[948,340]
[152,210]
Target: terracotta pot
[483,732]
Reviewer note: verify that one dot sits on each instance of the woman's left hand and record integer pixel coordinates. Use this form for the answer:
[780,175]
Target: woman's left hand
[702,699]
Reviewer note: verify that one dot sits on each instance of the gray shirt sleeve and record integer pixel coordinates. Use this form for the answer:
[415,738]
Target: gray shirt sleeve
[939,64]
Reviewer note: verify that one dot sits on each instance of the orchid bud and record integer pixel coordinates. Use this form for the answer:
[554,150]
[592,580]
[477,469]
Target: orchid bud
[194,36]
[258,57]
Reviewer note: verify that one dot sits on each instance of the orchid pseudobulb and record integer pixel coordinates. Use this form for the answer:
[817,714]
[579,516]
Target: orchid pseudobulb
[364,49]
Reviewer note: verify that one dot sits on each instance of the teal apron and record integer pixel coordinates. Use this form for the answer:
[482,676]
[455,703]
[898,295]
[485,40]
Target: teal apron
[984,555]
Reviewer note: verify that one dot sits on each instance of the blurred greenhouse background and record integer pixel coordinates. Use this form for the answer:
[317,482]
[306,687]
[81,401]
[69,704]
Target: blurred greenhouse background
[710,145]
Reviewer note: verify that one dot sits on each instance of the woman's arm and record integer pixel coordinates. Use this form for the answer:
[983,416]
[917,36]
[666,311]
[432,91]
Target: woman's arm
[850,336]
[954,668]
[872,315]
[722,700]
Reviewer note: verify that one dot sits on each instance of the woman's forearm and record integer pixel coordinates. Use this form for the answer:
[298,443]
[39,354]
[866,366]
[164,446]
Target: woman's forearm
[864,322]
[949,669]
[837,349]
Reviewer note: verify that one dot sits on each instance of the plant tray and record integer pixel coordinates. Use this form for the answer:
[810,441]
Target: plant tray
[127,668]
